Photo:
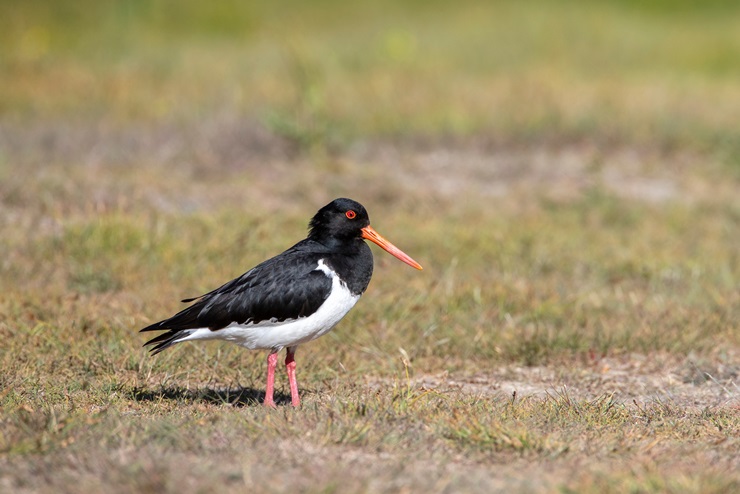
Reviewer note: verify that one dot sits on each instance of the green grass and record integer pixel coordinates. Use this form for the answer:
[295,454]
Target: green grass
[566,172]
[573,70]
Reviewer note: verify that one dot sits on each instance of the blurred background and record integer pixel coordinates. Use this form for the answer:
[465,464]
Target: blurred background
[330,78]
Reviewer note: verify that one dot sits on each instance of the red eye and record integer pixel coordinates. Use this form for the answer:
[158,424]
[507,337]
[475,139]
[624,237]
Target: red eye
[350,214]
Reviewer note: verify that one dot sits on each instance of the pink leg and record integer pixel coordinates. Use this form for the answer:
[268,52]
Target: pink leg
[290,368]
[270,389]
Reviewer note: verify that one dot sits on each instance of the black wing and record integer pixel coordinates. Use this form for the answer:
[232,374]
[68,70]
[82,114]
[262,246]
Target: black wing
[285,287]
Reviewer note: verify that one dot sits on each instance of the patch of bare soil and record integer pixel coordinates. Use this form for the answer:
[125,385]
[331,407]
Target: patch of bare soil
[636,378]
[250,163]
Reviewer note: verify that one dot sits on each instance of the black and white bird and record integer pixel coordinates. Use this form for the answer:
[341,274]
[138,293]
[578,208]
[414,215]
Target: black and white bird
[291,299]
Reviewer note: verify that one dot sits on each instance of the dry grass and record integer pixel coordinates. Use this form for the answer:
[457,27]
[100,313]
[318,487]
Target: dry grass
[576,325]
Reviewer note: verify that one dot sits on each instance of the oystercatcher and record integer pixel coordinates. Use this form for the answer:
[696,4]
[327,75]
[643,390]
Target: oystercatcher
[291,299]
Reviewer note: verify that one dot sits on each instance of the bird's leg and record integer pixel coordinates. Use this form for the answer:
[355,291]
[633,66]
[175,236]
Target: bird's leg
[290,368]
[270,389]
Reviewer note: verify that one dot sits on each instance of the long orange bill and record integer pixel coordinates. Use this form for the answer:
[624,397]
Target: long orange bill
[373,236]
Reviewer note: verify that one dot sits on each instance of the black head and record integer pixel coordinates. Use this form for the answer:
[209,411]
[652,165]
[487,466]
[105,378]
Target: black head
[340,219]
[344,220]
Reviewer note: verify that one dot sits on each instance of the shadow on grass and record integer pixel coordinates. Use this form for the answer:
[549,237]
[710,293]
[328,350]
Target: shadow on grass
[237,397]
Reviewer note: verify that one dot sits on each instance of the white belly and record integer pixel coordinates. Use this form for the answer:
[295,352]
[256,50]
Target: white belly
[269,335]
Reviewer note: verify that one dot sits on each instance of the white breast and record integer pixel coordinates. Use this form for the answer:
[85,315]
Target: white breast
[268,335]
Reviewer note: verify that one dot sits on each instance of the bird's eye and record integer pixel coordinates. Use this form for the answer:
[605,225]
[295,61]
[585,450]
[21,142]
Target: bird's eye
[350,214]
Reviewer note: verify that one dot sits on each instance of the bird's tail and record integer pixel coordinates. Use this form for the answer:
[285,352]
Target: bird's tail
[166,340]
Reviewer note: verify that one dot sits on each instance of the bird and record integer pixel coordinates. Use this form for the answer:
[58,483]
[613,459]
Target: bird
[290,299]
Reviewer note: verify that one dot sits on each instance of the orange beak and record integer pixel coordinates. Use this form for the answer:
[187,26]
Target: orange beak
[369,234]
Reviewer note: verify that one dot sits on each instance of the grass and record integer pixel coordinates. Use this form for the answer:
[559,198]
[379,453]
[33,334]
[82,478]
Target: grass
[522,73]
[567,173]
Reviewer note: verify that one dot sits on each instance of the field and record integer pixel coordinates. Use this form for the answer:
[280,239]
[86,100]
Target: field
[568,174]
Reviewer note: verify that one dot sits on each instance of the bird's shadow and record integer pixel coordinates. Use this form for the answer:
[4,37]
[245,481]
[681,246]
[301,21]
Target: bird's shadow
[236,397]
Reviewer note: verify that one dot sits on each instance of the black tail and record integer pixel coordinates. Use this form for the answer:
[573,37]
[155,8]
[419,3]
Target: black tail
[165,340]
[178,326]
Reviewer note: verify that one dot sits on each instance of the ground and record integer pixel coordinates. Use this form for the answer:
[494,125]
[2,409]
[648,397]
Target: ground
[572,196]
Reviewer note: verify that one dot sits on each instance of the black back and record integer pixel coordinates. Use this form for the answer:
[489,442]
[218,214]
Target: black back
[289,285]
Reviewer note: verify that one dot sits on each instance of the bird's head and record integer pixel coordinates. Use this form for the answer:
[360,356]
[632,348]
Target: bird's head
[343,220]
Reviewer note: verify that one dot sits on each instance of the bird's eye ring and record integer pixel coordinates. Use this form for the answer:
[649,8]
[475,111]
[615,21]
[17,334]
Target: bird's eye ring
[350,214]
